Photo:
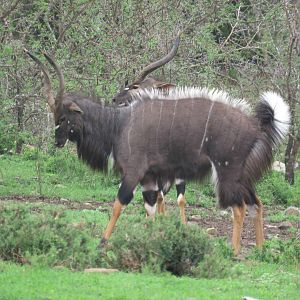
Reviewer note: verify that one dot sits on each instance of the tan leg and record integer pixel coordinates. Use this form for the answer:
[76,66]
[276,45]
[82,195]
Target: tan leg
[161,209]
[181,203]
[117,209]
[258,223]
[239,213]
[150,210]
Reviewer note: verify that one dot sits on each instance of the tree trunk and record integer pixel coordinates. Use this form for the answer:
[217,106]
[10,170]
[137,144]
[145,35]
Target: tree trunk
[290,157]
[20,117]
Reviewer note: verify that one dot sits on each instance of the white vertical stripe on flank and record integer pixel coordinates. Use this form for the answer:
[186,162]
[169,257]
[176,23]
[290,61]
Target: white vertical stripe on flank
[206,125]
[157,129]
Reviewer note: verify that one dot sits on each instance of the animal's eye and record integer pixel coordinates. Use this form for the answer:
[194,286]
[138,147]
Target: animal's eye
[62,119]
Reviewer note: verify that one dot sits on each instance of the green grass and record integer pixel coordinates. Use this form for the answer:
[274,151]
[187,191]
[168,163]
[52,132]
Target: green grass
[63,175]
[263,281]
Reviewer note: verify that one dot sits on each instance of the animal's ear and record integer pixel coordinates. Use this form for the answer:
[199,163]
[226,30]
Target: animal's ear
[164,85]
[126,83]
[75,108]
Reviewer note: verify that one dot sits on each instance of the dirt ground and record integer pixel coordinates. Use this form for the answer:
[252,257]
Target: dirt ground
[218,221]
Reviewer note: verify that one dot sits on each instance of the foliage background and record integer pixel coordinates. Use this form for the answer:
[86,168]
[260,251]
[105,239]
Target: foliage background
[243,46]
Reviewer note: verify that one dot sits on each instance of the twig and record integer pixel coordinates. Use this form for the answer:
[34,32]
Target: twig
[233,27]
[5,14]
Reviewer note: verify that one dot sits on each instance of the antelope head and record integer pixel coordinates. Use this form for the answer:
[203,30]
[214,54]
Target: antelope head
[67,114]
[141,82]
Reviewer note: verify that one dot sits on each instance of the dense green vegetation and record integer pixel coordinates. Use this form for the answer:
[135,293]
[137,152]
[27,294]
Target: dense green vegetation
[42,236]
[53,208]
[36,173]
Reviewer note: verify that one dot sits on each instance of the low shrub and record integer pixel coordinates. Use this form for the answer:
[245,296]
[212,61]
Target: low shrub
[167,245]
[279,252]
[273,189]
[46,238]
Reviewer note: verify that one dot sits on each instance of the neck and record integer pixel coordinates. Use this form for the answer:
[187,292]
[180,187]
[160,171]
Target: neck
[100,129]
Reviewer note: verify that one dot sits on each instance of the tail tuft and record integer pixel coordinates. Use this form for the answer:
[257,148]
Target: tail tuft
[274,114]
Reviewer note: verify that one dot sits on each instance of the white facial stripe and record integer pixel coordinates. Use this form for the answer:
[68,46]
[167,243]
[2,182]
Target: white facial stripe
[56,127]
[66,142]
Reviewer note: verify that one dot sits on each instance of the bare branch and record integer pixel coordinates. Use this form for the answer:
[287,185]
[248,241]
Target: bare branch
[6,13]
[233,27]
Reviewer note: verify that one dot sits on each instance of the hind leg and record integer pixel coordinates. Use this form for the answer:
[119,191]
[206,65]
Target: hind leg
[150,194]
[239,213]
[258,223]
[161,207]
[180,188]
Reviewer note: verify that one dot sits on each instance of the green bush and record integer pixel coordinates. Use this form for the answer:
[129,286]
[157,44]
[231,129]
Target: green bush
[273,189]
[7,136]
[279,251]
[166,245]
[46,238]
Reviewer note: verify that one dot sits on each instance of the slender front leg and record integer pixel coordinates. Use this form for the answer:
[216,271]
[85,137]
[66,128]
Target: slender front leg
[161,209]
[117,209]
[125,195]
[239,213]
[258,223]
[180,188]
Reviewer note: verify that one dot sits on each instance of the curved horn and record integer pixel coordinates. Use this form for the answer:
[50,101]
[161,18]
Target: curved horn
[61,90]
[155,65]
[47,82]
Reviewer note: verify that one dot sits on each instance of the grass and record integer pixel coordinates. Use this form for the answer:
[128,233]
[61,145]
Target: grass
[259,280]
[63,176]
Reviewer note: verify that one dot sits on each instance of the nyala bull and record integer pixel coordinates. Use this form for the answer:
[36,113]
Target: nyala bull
[177,133]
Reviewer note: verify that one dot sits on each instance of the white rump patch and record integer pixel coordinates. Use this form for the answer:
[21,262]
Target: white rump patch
[282,114]
[177,93]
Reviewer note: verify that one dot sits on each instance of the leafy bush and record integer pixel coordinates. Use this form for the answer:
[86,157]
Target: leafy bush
[45,238]
[7,136]
[166,245]
[279,251]
[273,189]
